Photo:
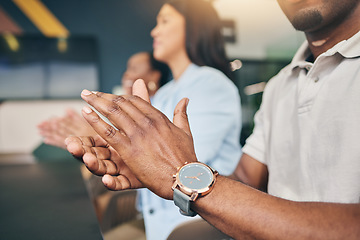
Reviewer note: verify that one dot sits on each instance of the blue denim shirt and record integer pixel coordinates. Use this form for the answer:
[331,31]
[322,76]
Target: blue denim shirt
[214,113]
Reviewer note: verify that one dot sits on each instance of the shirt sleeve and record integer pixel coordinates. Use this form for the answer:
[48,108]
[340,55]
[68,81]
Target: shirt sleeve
[255,143]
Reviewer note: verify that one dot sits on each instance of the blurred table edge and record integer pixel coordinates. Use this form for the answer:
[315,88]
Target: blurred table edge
[44,200]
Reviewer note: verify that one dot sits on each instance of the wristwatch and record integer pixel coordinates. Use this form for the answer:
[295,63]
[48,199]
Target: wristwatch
[192,180]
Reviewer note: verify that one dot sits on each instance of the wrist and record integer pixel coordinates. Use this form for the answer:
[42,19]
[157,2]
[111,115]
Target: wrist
[202,205]
[191,182]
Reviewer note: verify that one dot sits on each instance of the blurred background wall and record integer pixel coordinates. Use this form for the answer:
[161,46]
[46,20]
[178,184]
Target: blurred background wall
[120,27]
[100,36]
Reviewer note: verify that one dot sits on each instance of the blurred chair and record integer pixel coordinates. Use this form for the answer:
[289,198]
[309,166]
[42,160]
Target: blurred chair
[120,209]
[113,208]
[197,229]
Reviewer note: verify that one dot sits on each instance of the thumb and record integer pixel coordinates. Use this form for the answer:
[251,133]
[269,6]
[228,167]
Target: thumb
[139,89]
[180,116]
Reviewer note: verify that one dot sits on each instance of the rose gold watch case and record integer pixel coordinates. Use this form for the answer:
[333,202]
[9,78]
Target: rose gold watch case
[194,194]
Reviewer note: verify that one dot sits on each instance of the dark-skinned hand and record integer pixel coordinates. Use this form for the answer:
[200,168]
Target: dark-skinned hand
[144,150]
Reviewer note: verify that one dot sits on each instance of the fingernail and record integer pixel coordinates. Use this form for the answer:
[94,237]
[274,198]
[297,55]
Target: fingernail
[106,179]
[86,92]
[187,102]
[87,110]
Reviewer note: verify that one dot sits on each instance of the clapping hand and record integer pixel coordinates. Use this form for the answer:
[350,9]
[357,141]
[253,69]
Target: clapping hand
[144,150]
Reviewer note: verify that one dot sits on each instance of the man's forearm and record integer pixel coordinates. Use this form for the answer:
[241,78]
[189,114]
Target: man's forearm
[241,211]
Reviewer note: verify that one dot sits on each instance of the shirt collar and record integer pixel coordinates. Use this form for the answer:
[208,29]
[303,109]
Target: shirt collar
[349,48]
[299,60]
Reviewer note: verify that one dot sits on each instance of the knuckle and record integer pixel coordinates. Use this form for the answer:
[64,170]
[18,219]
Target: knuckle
[111,168]
[94,119]
[133,98]
[110,132]
[92,141]
[113,109]
[99,94]
[154,122]
[183,114]
[118,99]
[149,122]
[162,117]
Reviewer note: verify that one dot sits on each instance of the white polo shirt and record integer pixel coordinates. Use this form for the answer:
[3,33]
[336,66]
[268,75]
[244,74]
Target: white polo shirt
[307,130]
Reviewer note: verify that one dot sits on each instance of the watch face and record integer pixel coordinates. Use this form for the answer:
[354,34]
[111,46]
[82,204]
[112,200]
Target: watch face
[196,176]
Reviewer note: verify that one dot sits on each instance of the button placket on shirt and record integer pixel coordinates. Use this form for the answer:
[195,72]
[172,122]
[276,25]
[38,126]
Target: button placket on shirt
[310,74]
[309,88]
